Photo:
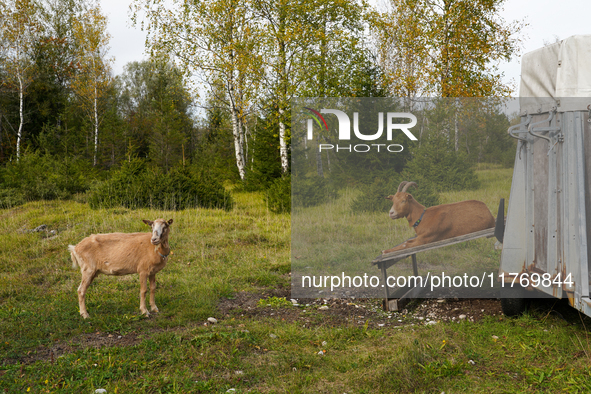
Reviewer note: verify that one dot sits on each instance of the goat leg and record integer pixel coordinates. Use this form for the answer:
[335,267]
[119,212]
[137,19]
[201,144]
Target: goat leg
[143,291]
[87,277]
[409,243]
[399,247]
[153,306]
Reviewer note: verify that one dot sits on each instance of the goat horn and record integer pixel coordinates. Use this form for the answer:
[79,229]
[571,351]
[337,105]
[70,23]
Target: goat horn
[401,186]
[409,184]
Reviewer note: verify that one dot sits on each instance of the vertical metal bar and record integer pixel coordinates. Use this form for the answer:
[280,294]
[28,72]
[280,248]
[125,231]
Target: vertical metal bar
[530,203]
[552,230]
[385,279]
[567,190]
[514,253]
[415,268]
[584,268]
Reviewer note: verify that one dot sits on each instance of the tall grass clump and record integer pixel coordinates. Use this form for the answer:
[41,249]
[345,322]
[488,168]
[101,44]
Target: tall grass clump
[39,176]
[136,185]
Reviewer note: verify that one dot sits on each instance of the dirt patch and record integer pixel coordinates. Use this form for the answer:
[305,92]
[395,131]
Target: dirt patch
[338,312]
[246,305]
[98,340]
[95,340]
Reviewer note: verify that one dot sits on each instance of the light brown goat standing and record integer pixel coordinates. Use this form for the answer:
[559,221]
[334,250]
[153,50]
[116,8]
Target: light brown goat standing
[123,254]
[438,222]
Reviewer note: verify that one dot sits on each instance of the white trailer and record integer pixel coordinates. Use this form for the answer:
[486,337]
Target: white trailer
[546,242]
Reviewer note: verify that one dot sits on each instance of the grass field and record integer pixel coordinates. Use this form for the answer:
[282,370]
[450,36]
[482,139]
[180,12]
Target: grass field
[235,266]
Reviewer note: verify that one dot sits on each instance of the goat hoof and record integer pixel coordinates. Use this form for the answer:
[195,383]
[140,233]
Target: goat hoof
[155,310]
[84,315]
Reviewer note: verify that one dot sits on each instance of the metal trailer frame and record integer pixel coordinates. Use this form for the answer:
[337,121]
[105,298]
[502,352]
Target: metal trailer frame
[548,226]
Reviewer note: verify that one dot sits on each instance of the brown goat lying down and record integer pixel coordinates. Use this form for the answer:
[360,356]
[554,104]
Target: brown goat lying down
[438,222]
[123,254]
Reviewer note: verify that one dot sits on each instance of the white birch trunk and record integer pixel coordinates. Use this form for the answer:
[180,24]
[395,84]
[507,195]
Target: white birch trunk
[22,118]
[282,143]
[283,86]
[457,135]
[95,108]
[242,138]
[238,142]
[95,124]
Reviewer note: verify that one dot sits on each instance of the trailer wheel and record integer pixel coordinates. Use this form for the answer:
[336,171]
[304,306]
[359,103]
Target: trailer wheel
[513,301]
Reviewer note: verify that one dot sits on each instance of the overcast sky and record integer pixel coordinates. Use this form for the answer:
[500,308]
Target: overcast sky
[546,20]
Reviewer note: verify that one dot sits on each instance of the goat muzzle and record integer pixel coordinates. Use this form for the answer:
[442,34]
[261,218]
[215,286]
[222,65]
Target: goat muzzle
[393,215]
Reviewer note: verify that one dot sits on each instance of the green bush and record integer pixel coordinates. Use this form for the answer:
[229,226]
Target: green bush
[311,191]
[278,197]
[372,199]
[135,185]
[437,162]
[264,166]
[11,197]
[43,177]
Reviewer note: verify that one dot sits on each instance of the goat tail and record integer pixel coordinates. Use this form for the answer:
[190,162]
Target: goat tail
[72,249]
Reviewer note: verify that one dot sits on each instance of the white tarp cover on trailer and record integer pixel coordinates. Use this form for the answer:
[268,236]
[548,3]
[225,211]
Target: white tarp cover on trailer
[561,71]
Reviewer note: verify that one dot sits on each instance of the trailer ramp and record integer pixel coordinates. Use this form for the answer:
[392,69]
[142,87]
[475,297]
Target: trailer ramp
[396,299]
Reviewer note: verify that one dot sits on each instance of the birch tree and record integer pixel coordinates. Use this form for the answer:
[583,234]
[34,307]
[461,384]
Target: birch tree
[93,76]
[312,48]
[217,42]
[285,34]
[448,48]
[19,28]
[260,51]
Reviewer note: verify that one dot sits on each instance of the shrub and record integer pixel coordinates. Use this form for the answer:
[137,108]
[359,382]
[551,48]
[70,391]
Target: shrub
[135,185]
[373,196]
[278,196]
[43,177]
[311,191]
[437,162]
[11,197]
[264,162]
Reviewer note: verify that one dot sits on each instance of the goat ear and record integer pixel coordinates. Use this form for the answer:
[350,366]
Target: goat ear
[170,222]
[148,222]
[409,197]
[389,197]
